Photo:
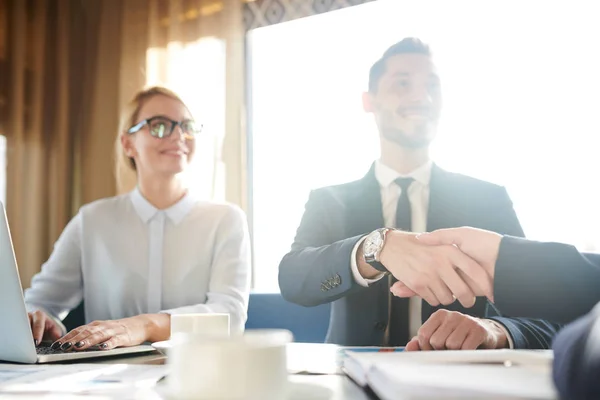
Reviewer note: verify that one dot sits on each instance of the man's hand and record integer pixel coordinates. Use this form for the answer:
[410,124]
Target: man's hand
[431,272]
[480,245]
[451,330]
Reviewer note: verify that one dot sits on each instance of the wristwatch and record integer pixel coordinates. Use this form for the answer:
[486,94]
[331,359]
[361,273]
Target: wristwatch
[372,246]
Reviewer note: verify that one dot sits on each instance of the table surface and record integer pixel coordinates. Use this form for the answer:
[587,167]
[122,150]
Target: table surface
[337,386]
[327,385]
[304,386]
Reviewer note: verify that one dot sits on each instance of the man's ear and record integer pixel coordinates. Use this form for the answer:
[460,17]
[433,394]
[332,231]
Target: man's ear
[367,100]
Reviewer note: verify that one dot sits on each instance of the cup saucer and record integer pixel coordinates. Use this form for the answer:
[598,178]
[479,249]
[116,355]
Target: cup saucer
[163,346]
[297,391]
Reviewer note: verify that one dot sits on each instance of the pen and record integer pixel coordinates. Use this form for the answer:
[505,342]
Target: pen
[374,349]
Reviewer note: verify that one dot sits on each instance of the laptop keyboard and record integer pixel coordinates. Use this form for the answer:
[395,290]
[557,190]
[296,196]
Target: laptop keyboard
[47,350]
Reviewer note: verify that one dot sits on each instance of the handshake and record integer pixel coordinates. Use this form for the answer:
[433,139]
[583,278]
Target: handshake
[441,266]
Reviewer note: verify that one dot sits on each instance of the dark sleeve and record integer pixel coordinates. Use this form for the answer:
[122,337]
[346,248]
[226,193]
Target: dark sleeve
[528,333]
[545,280]
[317,269]
[525,333]
[577,358]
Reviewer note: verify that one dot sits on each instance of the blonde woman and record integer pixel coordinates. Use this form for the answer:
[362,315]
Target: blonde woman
[138,258]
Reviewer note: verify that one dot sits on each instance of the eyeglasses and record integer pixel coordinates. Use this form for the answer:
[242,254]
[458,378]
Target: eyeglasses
[162,127]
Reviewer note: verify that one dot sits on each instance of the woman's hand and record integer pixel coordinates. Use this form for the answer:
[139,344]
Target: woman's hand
[43,327]
[117,333]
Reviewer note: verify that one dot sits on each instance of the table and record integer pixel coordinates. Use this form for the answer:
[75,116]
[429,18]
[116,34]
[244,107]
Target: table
[340,386]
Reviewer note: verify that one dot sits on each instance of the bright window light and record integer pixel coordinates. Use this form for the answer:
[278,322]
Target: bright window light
[520,83]
[196,72]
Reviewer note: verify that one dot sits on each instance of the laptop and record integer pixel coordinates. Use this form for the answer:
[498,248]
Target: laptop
[16,339]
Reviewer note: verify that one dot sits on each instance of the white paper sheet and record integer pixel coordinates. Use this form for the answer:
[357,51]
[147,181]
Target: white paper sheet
[78,378]
[394,381]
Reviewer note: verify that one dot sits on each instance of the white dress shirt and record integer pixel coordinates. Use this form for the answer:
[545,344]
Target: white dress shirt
[125,257]
[418,195]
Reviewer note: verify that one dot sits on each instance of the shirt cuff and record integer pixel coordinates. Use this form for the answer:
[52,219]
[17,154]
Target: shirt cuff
[354,266]
[511,344]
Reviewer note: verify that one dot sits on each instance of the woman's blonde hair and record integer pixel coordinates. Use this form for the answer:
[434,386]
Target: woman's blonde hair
[124,164]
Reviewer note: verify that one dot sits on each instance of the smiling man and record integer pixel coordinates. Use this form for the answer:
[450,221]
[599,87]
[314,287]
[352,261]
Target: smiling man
[345,253]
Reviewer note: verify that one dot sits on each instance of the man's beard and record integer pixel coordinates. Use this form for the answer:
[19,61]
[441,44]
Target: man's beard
[420,136]
[420,139]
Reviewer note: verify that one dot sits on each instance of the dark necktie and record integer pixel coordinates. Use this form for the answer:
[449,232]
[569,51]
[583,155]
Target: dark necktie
[399,318]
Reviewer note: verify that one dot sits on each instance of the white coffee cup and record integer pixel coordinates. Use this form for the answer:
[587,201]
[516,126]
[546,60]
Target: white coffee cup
[252,366]
[200,324]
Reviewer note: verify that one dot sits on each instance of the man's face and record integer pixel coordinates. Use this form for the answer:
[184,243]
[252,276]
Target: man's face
[408,100]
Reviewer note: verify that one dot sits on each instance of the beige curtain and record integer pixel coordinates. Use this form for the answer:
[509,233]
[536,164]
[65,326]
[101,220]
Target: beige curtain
[66,67]
[50,61]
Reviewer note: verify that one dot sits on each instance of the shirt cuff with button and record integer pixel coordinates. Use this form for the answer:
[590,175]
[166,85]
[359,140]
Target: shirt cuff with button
[511,344]
[354,266]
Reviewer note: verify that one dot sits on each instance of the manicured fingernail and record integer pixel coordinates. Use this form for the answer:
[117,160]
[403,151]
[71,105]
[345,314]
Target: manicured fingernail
[37,342]
[104,346]
[79,344]
[55,345]
[66,346]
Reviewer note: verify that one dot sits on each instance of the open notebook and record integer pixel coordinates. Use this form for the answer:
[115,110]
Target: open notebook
[454,374]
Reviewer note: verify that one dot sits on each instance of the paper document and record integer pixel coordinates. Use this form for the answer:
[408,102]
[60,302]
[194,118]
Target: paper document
[10,375]
[78,378]
[311,358]
[357,364]
[393,381]
[324,358]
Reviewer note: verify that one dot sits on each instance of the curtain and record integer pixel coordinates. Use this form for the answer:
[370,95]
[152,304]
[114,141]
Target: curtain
[53,72]
[67,67]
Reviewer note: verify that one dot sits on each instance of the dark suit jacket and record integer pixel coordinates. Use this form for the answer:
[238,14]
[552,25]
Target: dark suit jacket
[317,269]
[577,358]
[555,281]
[545,280]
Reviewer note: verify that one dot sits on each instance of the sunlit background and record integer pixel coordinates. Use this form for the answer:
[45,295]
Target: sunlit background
[201,62]
[521,109]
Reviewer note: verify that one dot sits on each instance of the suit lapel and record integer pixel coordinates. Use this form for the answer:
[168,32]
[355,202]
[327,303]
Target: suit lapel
[364,209]
[446,211]
[438,213]
[364,214]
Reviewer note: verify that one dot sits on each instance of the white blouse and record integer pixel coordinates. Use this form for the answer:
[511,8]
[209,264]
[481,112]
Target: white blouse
[125,257]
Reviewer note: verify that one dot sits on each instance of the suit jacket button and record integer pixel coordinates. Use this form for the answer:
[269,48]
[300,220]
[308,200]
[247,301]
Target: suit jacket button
[380,326]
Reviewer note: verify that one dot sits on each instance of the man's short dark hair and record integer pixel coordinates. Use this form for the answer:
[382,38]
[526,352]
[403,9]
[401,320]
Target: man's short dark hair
[407,45]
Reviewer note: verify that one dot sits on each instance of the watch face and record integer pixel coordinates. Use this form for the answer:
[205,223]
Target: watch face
[373,242]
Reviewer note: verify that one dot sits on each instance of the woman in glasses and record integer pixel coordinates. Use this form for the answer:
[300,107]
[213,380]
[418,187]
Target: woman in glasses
[136,259]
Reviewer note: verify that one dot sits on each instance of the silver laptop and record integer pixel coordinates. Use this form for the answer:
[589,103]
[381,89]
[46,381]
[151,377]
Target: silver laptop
[16,339]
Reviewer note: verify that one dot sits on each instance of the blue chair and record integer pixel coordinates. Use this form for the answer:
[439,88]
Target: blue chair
[272,311]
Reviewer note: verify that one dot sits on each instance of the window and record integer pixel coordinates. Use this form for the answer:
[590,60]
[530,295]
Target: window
[520,109]
[196,72]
